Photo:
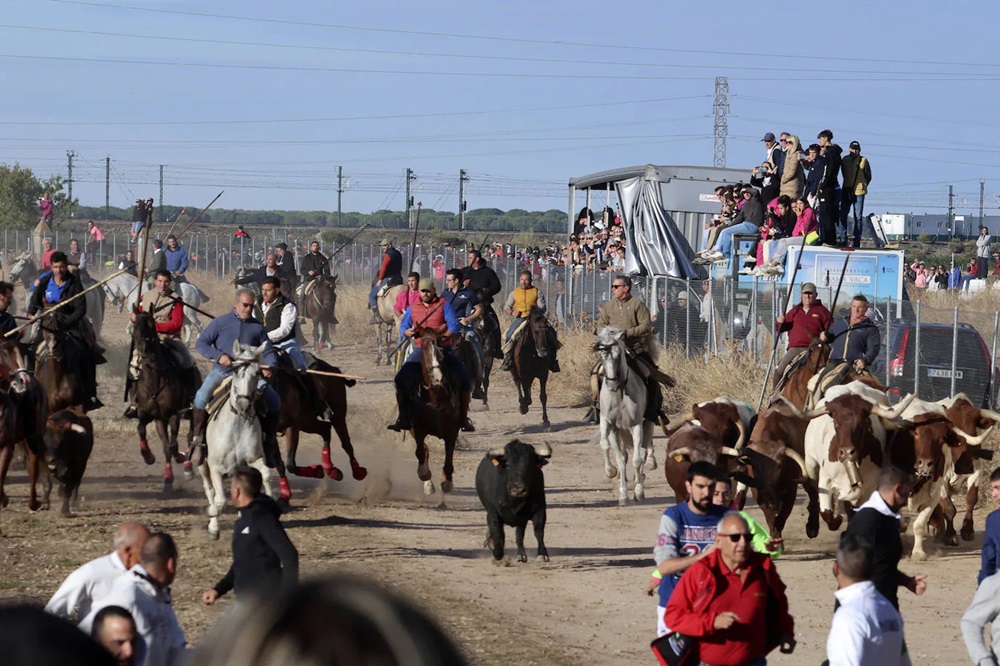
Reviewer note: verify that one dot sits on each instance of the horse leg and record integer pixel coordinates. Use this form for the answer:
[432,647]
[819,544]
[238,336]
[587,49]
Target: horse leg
[449,467]
[33,464]
[378,346]
[423,468]
[543,396]
[174,426]
[340,426]
[206,480]
[292,440]
[168,470]
[609,470]
[265,475]
[640,435]
[147,454]
[522,399]
[5,457]
[615,443]
[328,468]
[220,503]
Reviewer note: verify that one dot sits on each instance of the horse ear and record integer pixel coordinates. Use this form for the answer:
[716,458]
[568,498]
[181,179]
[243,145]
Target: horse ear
[335,278]
[236,348]
[259,351]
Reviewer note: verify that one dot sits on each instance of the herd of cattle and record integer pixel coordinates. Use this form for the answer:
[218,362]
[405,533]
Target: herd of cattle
[835,451]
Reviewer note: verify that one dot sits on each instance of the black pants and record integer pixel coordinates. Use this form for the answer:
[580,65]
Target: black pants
[829,215]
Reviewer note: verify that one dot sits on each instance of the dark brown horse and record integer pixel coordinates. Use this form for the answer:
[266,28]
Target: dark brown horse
[24,409]
[531,361]
[299,415]
[163,391]
[320,305]
[436,411]
[64,366]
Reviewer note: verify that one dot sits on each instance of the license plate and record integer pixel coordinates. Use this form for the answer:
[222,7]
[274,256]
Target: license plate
[941,372]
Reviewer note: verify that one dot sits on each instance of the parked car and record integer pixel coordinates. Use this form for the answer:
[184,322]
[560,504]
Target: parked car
[972,367]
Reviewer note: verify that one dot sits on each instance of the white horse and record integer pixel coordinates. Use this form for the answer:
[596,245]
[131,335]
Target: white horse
[623,403]
[123,290]
[234,434]
[24,269]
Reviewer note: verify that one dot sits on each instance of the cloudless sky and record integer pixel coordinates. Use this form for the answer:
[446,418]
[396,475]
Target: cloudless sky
[522,94]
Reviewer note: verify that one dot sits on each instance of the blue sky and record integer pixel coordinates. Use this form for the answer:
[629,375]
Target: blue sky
[523,95]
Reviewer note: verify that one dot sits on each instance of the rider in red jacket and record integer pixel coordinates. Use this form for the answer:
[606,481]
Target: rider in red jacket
[804,323]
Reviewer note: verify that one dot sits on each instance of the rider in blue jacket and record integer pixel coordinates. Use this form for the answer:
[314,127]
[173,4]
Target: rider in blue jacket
[177,257]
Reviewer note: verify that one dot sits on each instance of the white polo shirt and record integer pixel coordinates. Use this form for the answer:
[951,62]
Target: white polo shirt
[866,630]
[76,596]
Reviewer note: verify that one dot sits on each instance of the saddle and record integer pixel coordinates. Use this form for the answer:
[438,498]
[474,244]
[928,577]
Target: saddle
[308,287]
[793,365]
[219,397]
[826,378]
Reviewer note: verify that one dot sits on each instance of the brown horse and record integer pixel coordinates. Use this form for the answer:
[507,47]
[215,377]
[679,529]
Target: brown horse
[531,362]
[796,388]
[162,392]
[320,305]
[303,418]
[435,411]
[24,409]
[64,366]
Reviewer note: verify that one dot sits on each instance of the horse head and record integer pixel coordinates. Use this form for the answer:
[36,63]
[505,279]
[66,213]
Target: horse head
[144,332]
[53,337]
[610,348]
[538,328]
[23,269]
[430,360]
[326,292]
[246,375]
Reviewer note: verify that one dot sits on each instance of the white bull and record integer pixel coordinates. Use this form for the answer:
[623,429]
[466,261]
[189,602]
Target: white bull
[845,446]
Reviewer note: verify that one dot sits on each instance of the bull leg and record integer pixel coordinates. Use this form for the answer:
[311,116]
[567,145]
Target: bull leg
[971,499]
[5,457]
[147,453]
[522,555]
[947,507]
[168,470]
[538,524]
[66,491]
[495,527]
[33,465]
[776,523]
[919,532]
[543,396]
[449,465]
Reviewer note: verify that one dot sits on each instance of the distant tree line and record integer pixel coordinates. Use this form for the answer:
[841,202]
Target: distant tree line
[491,219]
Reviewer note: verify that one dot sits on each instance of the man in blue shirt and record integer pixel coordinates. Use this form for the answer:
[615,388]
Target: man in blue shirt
[177,258]
[991,535]
[216,343]
[687,530]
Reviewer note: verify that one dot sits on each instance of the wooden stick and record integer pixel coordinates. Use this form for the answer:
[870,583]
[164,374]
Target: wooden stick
[324,373]
[351,240]
[198,216]
[174,223]
[142,259]
[66,302]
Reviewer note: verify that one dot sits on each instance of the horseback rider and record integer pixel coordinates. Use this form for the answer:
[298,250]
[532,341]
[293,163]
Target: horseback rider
[280,318]
[261,273]
[803,323]
[519,304]
[429,313]
[484,281]
[311,266]
[58,286]
[853,339]
[390,274]
[465,305]
[407,298]
[286,264]
[177,259]
[157,262]
[216,343]
[168,314]
[629,314]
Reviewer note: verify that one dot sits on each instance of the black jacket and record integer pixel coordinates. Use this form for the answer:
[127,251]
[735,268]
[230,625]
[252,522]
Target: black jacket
[831,167]
[65,316]
[313,262]
[849,343]
[157,262]
[815,175]
[752,211]
[257,275]
[264,559]
[483,280]
[881,532]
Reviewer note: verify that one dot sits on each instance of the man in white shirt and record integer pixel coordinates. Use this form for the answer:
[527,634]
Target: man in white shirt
[144,591]
[867,630]
[984,610]
[76,596]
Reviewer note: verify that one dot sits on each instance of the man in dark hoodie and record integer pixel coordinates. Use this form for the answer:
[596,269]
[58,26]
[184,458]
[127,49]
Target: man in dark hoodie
[265,561]
[829,196]
[748,220]
[853,339]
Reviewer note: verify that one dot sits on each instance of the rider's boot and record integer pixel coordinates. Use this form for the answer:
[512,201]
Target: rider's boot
[269,433]
[131,412]
[554,363]
[376,319]
[323,411]
[467,425]
[196,453]
[402,423]
[508,361]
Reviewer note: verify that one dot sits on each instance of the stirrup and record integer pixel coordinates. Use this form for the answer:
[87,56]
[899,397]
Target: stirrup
[399,426]
[468,425]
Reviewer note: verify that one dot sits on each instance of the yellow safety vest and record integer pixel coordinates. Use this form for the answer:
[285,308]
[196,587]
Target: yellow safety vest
[525,299]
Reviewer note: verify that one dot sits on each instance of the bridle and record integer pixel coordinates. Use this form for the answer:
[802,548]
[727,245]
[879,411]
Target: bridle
[618,382]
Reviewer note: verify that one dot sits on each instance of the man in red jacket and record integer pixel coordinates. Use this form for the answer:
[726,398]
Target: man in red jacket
[732,602]
[804,323]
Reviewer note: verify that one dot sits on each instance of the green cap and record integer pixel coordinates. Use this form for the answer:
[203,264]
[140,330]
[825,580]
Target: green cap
[427,284]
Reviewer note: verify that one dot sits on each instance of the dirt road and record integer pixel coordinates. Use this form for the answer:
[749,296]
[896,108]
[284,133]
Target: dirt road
[586,606]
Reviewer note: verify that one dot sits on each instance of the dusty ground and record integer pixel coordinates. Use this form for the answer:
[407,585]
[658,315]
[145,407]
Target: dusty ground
[586,606]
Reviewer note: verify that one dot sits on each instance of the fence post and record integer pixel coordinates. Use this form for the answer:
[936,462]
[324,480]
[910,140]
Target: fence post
[954,350]
[888,340]
[687,319]
[916,355]
[114,244]
[993,360]
[753,313]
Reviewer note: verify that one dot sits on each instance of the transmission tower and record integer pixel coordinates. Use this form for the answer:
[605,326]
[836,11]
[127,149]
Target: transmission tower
[721,108]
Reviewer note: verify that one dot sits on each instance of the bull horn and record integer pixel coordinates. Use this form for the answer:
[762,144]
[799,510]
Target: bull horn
[680,420]
[680,453]
[970,439]
[76,427]
[729,451]
[795,410]
[990,414]
[796,458]
[543,450]
[895,412]
[814,413]
[743,435]
[495,452]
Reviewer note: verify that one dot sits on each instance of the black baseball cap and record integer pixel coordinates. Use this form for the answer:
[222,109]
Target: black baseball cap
[855,145]
[768,137]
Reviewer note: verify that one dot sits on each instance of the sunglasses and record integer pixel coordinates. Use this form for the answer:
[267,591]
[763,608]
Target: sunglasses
[735,538]
[617,286]
[809,293]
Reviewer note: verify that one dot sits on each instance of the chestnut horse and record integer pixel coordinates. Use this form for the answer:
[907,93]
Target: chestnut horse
[24,409]
[796,389]
[435,410]
[531,361]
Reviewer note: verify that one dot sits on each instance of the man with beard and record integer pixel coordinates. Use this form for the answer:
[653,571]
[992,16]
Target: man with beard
[483,280]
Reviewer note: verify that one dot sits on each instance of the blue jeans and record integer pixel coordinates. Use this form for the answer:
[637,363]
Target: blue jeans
[725,242]
[291,348]
[513,327]
[853,204]
[272,402]
[373,294]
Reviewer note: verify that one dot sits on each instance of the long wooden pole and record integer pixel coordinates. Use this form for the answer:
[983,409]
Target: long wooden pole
[66,302]
[349,241]
[413,243]
[324,373]
[176,217]
[198,216]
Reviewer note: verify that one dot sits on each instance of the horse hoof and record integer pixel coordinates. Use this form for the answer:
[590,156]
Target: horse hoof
[835,524]
[651,463]
[34,506]
[968,535]
[179,457]
[147,455]
[335,473]
[446,486]
[640,496]
[522,558]
[4,501]
[308,472]
[358,472]
[951,540]
[523,409]
[168,485]
[611,472]
[812,531]
[918,556]
[424,473]
[543,558]
[428,487]
[213,535]
[188,471]
[502,562]
[285,493]
[623,501]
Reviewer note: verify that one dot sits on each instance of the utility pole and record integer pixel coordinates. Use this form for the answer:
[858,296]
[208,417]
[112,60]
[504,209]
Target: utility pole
[982,195]
[463,178]
[340,192]
[721,108]
[409,198]
[160,207]
[107,188]
[70,154]
[951,210]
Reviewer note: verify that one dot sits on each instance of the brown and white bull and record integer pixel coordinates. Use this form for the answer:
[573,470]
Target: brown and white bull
[775,460]
[730,420]
[968,464]
[691,443]
[845,446]
[928,443]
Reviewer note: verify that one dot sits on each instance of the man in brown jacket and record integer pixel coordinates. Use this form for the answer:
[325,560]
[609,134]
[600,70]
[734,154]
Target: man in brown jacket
[627,313]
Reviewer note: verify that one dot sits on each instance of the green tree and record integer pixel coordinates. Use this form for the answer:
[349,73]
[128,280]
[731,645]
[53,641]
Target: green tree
[20,191]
